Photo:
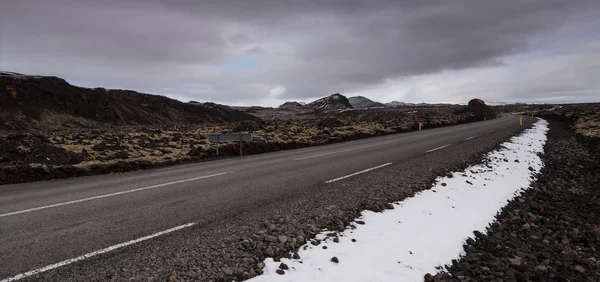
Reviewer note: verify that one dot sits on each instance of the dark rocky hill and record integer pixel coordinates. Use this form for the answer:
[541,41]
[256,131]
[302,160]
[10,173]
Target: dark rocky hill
[360,102]
[290,105]
[50,102]
[395,104]
[478,106]
[336,101]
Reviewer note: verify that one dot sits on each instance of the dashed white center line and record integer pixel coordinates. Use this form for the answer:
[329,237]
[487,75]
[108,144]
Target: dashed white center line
[89,255]
[330,153]
[356,173]
[112,194]
[347,150]
[438,148]
[472,137]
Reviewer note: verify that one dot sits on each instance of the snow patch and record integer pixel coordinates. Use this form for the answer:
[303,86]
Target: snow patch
[427,230]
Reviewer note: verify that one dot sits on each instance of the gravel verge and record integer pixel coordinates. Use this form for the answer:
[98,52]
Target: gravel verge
[232,246]
[551,232]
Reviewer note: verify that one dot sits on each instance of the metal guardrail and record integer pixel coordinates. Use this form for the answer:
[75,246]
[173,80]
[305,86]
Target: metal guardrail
[230,138]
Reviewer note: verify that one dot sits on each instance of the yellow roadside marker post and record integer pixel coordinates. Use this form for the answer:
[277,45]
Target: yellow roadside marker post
[420,125]
[521,121]
[484,118]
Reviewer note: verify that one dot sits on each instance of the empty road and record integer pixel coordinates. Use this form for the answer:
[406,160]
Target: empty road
[50,222]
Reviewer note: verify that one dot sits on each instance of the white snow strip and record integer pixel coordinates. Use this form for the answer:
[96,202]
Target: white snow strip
[471,137]
[356,173]
[427,230]
[89,255]
[112,194]
[438,148]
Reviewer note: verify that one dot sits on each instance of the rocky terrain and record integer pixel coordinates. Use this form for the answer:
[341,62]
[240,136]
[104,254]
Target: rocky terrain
[551,232]
[335,101]
[234,249]
[51,129]
[584,118]
[62,153]
[41,103]
[479,106]
[237,249]
[290,105]
[360,102]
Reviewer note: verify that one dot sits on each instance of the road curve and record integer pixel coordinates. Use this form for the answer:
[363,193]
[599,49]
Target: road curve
[49,222]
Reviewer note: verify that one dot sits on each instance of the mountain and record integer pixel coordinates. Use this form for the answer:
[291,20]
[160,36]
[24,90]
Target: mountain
[336,101]
[249,108]
[50,102]
[360,102]
[290,105]
[394,104]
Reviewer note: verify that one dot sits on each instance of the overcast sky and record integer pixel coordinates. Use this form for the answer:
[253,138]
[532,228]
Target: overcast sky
[265,52]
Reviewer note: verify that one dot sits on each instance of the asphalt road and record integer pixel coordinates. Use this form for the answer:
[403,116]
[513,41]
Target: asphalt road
[44,223]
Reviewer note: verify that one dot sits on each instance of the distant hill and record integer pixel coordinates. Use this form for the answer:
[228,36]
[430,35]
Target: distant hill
[249,108]
[360,102]
[49,102]
[478,106]
[336,101]
[290,105]
[394,104]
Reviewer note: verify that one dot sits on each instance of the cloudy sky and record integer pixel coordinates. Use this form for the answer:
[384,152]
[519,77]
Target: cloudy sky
[265,52]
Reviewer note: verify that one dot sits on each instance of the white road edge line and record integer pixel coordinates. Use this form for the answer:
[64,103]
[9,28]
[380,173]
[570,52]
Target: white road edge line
[89,255]
[356,173]
[346,150]
[438,148]
[112,194]
[472,137]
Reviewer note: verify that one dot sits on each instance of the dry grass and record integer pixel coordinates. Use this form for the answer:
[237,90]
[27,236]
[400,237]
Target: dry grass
[103,149]
[281,129]
[588,126]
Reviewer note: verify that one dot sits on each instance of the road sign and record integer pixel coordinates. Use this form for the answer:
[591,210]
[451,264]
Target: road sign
[229,138]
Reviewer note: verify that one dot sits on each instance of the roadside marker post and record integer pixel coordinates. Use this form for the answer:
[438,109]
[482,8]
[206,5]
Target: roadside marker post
[521,121]
[230,138]
[420,125]
[484,118]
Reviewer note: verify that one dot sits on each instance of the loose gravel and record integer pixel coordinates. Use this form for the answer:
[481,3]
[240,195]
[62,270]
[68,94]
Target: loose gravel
[551,232]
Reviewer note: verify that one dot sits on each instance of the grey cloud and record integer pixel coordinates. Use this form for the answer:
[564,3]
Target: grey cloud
[312,48]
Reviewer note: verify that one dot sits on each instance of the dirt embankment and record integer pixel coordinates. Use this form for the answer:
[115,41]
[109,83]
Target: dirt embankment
[552,231]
